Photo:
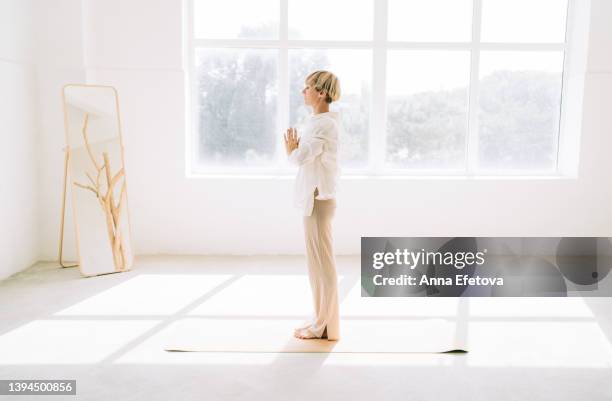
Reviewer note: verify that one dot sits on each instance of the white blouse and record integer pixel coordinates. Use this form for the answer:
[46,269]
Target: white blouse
[317,158]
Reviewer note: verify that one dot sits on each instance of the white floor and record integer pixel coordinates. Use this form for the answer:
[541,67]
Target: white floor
[106,332]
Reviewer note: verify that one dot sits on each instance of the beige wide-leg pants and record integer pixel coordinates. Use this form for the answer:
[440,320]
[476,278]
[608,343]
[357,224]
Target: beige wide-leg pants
[322,269]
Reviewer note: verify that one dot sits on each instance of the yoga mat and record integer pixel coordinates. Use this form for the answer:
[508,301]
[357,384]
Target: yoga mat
[422,335]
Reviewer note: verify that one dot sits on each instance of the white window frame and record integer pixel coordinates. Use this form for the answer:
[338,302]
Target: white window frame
[567,160]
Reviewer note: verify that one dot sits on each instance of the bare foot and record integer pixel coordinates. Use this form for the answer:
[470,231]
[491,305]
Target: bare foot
[305,334]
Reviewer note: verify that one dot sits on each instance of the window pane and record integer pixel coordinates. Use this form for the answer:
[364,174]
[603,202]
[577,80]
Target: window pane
[423,21]
[523,20]
[221,19]
[520,100]
[236,106]
[331,19]
[353,69]
[427,108]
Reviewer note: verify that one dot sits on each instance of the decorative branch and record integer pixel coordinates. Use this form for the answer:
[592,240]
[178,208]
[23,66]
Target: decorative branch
[112,212]
[86,187]
[84,131]
[90,179]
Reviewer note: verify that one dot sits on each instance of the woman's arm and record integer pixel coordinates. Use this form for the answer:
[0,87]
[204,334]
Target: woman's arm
[311,147]
[307,151]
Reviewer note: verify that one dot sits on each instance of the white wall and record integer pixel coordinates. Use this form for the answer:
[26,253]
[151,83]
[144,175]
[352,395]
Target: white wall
[40,51]
[60,61]
[135,46]
[19,237]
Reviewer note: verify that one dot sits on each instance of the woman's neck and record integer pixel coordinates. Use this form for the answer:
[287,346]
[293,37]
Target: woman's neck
[320,108]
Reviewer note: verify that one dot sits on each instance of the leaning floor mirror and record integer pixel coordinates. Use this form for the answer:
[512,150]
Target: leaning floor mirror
[97,184]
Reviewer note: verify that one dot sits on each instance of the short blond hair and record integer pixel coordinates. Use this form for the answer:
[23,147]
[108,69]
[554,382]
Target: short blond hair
[325,81]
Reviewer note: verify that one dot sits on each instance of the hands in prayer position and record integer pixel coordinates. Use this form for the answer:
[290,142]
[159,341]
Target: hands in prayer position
[292,141]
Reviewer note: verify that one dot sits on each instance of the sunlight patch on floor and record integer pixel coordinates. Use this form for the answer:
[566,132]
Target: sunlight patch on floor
[356,305]
[538,344]
[69,341]
[529,307]
[257,295]
[147,294]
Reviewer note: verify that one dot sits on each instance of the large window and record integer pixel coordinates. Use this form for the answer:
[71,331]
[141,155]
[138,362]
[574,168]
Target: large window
[428,86]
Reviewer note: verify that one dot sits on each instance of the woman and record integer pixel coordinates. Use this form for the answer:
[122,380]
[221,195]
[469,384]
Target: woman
[315,152]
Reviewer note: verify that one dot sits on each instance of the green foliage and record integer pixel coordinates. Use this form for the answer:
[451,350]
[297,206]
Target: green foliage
[519,119]
[518,123]
[237,107]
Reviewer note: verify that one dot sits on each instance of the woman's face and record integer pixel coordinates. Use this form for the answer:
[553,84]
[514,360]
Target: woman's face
[311,96]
